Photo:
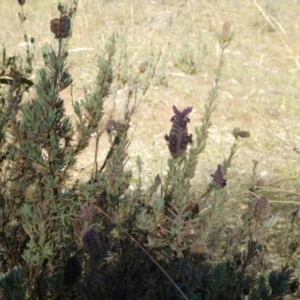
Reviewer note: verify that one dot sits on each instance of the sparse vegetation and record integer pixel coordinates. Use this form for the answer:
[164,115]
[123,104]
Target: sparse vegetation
[134,171]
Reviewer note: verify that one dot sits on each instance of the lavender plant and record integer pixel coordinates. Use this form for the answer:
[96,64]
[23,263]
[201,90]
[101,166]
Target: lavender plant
[99,239]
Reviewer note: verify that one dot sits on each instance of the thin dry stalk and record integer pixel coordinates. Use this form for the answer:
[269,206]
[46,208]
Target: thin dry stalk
[145,251]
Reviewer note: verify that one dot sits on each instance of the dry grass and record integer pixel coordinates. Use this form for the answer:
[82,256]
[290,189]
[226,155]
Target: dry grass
[259,87]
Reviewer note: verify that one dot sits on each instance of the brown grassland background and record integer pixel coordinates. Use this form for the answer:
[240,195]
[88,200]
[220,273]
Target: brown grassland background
[259,88]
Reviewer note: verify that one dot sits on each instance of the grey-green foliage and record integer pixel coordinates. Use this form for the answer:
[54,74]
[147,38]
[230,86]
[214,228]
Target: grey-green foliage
[12,284]
[273,285]
[190,55]
[99,239]
[39,151]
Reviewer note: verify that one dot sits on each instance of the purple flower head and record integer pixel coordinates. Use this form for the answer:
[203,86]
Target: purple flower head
[218,177]
[91,241]
[182,114]
[111,125]
[72,270]
[86,213]
[178,139]
[14,106]
[157,180]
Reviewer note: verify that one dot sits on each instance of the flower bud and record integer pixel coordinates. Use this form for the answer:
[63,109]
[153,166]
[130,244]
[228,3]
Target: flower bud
[261,210]
[226,31]
[91,241]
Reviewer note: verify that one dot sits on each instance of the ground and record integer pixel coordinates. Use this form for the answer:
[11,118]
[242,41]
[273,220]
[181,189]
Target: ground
[259,87]
[258,90]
